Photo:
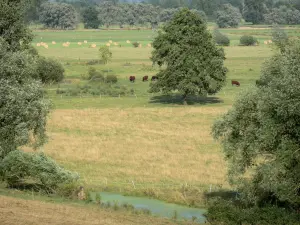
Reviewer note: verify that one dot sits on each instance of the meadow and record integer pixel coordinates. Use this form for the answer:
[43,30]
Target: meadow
[142,144]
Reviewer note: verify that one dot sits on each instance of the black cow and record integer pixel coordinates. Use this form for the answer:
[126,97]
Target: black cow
[154,78]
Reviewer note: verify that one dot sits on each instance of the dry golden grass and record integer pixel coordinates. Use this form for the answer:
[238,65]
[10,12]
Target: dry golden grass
[146,145]
[16,211]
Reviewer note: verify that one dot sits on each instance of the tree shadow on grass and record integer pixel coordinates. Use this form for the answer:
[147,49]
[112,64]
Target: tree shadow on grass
[177,99]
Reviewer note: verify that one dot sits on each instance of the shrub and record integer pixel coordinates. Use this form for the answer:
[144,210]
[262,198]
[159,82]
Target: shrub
[221,39]
[95,62]
[105,54]
[135,44]
[49,70]
[19,165]
[94,75]
[111,79]
[248,40]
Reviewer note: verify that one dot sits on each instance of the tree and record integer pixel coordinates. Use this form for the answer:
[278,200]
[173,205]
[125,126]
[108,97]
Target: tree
[49,70]
[105,54]
[167,14]
[22,106]
[260,136]
[283,15]
[32,14]
[194,65]
[279,38]
[254,11]
[108,12]
[58,15]
[90,18]
[12,27]
[228,16]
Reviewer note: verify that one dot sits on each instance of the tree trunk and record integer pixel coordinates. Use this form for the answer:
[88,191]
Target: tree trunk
[184,99]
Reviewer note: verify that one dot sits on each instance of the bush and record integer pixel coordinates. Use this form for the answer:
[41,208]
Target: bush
[111,79]
[94,75]
[49,70]
[248,40]
[94,62]
[135,44]
[18,166]
[221,39]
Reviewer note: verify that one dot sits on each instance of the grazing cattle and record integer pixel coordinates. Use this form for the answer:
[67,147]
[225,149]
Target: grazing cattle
[132,78]
[234,82]
[154,78]
[145,78]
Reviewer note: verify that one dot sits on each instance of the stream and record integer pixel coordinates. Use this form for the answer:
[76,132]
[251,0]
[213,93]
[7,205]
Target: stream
[156,207]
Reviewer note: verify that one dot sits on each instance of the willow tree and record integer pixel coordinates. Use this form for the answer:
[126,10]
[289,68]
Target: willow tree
[189,59]
[23,110]
[261,141]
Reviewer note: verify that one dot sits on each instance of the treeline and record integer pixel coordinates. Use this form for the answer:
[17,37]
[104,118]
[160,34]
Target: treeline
[66,14]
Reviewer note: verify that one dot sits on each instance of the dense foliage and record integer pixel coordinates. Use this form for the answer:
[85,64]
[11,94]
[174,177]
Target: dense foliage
[248,40]
[90,18]
[12,28]
[19,166]
[283,15]
[228,16]
[23,109]
[193,63]
[279,37]
[261,138]
[58,15]
[151,12]
[221,39]
[105,54]
[49,70]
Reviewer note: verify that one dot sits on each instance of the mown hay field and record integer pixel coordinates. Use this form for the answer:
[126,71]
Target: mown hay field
[142,144]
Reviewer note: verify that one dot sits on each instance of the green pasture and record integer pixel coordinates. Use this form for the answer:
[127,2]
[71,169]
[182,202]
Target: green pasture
[244,63]
[150,139]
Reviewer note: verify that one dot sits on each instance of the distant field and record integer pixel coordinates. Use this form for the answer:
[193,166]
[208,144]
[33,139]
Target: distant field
[143,144]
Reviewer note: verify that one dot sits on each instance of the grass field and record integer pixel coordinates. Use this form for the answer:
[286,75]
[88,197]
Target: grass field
[143,144]
[34,212]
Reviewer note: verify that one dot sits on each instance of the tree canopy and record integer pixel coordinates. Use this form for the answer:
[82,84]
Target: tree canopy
[261,139]
[23,109]
[228,16]
[58,15]
[191,63]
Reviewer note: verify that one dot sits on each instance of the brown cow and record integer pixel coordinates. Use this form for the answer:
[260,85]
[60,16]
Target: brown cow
[132,79]
[145,78]
[236,83]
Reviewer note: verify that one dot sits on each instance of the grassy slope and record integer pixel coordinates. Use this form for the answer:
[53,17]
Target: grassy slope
[30,212]
[155,142]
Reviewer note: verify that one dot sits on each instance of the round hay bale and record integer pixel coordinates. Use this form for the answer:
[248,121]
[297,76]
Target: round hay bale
[53,42]
[107,44]
[85,42]
[128,42]
[38,44]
